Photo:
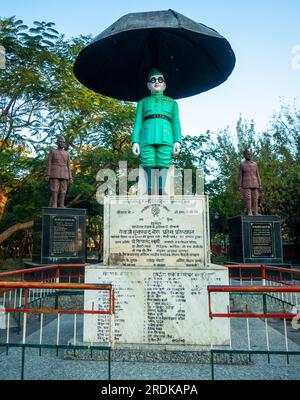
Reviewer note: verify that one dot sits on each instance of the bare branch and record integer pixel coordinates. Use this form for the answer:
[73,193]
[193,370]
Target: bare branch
[15,228]
[9,105]
[75,201]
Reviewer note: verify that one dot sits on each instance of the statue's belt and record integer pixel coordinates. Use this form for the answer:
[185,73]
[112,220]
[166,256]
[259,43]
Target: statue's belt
[61,164]
[157,116]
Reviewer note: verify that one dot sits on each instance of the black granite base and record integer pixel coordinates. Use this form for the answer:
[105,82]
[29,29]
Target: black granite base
[59,236]
[255,239]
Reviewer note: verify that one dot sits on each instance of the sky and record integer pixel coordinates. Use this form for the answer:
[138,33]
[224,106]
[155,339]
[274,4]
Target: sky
[264,34]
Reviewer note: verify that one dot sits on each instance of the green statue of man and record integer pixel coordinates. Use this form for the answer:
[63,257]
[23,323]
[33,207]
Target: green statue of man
[156,133]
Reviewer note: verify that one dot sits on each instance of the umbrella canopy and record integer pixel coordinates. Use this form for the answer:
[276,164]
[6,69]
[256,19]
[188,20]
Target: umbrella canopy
[192,57]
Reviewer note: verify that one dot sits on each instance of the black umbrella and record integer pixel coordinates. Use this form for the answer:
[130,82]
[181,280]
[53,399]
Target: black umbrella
[192,57]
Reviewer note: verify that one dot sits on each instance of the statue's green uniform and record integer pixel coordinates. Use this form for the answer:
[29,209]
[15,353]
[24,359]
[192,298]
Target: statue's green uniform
[156,129]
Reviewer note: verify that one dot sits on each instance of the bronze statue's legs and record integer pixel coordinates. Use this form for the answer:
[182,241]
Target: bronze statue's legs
[53,200]
[54,187]
[254,201]
[58,187]
[62,200]
[63,186]
[251,201]
[247,200]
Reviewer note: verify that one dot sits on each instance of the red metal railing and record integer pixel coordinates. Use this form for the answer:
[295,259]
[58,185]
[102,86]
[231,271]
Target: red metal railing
[56,268]
[264,273]
[50,282]
[57,286]
[250,289]
[15,298]
[48,273]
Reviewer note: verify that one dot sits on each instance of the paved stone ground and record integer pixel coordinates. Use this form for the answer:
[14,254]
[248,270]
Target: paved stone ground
[49,366]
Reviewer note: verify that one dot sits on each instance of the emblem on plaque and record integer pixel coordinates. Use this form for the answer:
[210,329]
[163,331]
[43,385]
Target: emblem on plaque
[155,210]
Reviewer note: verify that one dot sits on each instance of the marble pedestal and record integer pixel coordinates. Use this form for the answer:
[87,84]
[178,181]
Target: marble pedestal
[3,320]
[159,308]
[157,257]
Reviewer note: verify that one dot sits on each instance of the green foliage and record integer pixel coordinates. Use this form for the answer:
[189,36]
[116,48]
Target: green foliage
[41,99]
[277,154]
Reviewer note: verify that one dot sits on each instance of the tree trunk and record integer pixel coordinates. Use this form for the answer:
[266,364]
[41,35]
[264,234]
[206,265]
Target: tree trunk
[15,228]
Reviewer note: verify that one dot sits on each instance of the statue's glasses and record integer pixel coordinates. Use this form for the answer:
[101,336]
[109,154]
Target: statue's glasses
[160,79]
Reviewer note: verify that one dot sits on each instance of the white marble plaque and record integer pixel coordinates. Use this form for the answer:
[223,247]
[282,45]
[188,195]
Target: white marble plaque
[158,307]
[156,231]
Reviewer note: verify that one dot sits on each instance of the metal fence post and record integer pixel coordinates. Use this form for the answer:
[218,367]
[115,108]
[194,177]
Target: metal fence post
[109,364]
[264,303]
[23,362]
[212,365]
[56,300]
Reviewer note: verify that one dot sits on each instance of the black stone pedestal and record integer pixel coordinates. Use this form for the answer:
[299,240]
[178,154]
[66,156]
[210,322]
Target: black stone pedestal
[59,236]
[255,239]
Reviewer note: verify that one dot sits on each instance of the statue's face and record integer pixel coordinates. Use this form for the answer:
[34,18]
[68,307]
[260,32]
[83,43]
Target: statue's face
[157,84]
[248,154]
[61,143]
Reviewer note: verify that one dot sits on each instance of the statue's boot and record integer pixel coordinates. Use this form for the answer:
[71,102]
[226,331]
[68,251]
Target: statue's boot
[62,200]
[53,200]
[148,171]
[162,181]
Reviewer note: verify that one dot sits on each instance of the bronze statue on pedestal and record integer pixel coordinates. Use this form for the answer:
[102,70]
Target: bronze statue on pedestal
[249,183]
[59,173]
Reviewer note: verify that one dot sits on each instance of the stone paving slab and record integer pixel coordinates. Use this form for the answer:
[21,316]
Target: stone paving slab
[49,366]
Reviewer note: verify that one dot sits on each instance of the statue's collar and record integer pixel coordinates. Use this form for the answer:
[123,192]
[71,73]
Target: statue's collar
[157,94]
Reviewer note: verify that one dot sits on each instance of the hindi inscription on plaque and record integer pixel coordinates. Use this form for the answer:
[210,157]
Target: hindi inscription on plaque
[59,236]
[255,239]
[63,235]
[151,232]
[261,240]
[158,307]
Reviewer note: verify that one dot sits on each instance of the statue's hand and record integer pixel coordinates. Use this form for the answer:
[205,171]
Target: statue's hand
[136,149]
[176,148]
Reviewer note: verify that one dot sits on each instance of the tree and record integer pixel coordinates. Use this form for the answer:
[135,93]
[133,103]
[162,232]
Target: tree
[276,152]
[39,100]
